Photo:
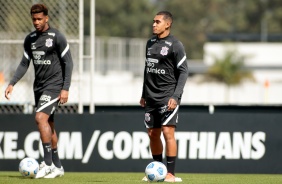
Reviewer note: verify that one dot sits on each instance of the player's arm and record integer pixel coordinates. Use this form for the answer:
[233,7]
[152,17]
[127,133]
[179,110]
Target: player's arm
[182,72]
[67,64]
[21,70]
[142,100]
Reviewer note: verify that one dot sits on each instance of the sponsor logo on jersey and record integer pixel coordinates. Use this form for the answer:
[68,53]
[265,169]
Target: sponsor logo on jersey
[153,40]
[52,34]
[49,42]
[45,99]
[169,43]
[38,54]
[155,70]
[33,46]
[152,60]
[150,64]
[42,62]
[164,51]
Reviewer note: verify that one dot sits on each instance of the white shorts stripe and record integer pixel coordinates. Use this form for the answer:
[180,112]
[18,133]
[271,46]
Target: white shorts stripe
[47,104]
[169,118]
[146,124]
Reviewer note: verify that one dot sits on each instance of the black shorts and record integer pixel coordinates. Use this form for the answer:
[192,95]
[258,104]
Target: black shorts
[46,102]
[160,116]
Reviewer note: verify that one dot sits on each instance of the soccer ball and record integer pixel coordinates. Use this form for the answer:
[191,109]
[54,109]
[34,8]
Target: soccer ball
[28,167]
[156,171]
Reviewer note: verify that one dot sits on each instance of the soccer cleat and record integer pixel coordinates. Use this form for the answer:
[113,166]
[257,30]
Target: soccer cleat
[43,170]
[171,178]
[55,172]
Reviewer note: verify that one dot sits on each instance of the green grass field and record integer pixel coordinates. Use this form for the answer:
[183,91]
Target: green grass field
[131,178]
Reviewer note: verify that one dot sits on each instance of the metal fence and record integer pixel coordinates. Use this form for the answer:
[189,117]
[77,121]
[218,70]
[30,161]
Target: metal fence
[117,54]
[15,24]
[111,53]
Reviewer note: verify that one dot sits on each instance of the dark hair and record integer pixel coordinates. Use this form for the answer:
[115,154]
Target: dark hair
[38,8]
[167,15]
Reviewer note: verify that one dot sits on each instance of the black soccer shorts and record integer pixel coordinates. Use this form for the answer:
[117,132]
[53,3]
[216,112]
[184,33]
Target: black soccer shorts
[46,102]
[160,116]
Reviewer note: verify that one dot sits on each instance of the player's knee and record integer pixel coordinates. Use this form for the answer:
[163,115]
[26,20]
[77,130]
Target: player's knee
[154,133]
[168,134]
[40,118]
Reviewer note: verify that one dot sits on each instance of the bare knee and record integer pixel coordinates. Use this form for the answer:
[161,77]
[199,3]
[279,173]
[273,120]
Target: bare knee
[168,132]
[154,133]
[41,118]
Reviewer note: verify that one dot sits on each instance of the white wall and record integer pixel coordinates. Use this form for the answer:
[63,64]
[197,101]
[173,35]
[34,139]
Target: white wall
[257,54]
[124,89]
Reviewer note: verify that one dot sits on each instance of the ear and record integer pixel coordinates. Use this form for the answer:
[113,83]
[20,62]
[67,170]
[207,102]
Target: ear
[168,24]
[47,18]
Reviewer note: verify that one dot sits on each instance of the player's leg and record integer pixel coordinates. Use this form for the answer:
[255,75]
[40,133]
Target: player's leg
[155,143]
[46,104]
[54,143]
[45,135]
[152,123]
[171,147]
[58,170]
[169,122]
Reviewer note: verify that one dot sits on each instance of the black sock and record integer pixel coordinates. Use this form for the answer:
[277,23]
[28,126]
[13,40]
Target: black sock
[170,164]
[158,158]
[55,158]
[47,153]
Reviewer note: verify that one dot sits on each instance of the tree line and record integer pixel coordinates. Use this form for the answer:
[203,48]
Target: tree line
[194,20]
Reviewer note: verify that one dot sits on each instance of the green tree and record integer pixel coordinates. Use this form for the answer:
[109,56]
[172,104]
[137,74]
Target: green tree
[189,24]
[194,19]
[123,18]
[229,69]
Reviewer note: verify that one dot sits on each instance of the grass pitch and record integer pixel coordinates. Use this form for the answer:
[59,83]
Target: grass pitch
[131,178]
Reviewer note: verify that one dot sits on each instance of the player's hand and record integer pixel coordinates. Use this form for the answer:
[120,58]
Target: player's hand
[8,91]
[171,105]
[64,95]
[142,102]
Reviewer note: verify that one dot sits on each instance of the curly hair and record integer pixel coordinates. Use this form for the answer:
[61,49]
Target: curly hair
[38,8]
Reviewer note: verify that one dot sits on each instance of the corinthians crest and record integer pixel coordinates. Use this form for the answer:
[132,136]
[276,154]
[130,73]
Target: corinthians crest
[49,42]
[147,117]
[164,51]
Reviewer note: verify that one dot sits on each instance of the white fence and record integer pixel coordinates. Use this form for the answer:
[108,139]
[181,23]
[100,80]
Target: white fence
[16,23]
